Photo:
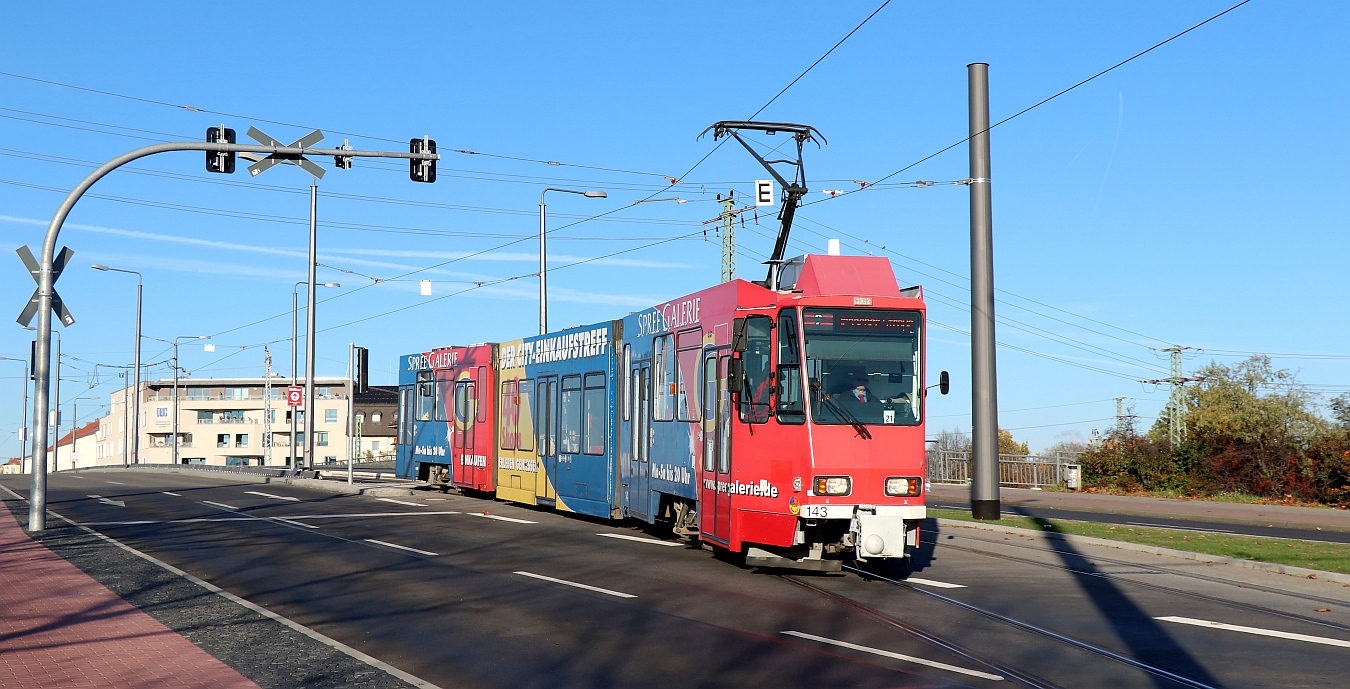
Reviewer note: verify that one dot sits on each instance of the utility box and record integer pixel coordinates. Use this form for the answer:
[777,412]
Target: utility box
[1073,476]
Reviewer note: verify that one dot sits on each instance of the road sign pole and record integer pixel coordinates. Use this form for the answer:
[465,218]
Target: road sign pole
[309,326]
[37,514]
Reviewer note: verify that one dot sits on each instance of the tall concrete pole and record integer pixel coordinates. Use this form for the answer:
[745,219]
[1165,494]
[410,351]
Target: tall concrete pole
[295,370]
[543,271]
[135,429]
[309,324]
[984,492]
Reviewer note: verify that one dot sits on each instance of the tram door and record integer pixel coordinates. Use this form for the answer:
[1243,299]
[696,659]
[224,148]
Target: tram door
[714,492]
[546,427]
[640,440]
[463,430]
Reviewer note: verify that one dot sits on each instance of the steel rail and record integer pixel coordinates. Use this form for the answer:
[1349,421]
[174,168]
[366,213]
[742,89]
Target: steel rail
[1083,645]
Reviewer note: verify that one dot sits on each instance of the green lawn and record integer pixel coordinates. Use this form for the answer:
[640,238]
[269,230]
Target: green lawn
[1330,557]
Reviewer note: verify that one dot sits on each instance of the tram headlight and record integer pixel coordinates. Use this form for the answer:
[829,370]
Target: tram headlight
[904,486]
[832,485]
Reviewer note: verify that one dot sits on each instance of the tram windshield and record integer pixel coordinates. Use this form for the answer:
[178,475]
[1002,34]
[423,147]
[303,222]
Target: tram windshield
[862,366]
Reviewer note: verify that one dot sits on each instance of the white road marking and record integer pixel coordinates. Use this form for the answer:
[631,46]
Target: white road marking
[401,547]
[168,521]
[934,584]
[82,478]
[117,483]
[364,514]
[897,656]
[106,501]
[1257,630]
[269,495]
[401,502]
[1181,528]
[565,582]
[501,518]
[173,494]
[639,539]
[288,518]
[293,523]
[219,504]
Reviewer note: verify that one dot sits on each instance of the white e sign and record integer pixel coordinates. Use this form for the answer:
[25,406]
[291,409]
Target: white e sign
[764,192]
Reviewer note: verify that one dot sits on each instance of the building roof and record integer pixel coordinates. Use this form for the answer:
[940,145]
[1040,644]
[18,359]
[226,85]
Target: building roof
[83,432]
[277,381]
[378,394]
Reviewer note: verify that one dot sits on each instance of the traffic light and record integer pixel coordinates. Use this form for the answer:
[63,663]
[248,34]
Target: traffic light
[343,162]
[220,161]
[361,377]
[422,170]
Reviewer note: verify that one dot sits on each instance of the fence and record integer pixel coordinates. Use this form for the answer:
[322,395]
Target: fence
[1025,471]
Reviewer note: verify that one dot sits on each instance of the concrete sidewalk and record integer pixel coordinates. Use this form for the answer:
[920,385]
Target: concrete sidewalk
[1200,510]
[61,628]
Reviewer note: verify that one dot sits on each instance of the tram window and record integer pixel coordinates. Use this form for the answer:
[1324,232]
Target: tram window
[524,415]
[789,405]
[405,417]
[724,423]
[509,410]
[426,395]
[663,379]
[545,419]
[478,402]
[618,380]
[570,423]
[593,414]
[754,406]
[686,402]
[709,410]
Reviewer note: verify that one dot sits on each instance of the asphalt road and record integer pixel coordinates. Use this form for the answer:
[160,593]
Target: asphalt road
[1310,534]
[466,592]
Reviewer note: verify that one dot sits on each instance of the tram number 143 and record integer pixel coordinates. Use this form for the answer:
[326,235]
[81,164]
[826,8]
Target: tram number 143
[827,511]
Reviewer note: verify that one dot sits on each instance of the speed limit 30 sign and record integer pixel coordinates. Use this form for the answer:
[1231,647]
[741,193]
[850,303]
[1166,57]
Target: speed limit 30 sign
[295,396]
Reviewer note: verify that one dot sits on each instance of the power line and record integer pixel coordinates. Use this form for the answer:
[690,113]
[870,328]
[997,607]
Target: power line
[1038,104]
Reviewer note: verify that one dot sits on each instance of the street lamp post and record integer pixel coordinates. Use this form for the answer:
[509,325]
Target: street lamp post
[175,388]
[74,430]
[295,375]
[23,414]
[543,265]
[133,449]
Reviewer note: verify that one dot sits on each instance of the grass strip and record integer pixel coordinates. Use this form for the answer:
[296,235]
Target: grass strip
[1328,557]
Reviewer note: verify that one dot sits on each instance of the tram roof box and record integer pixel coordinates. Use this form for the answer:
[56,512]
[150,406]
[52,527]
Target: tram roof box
[820,275]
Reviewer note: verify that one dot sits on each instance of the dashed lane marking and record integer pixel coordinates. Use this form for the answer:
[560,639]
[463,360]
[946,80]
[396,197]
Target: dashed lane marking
[117,483]
[401,547]
[289,518]
[269,495]
[1257,630]
[295,523]
[934,584]
[401,502]
[639,539]
[219,504]
[173,494]
[1180,528]
[500,518]
[106,501]
[897,656]
[565,582]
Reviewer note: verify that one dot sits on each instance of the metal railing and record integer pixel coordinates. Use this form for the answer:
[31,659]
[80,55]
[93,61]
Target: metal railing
[1020,471]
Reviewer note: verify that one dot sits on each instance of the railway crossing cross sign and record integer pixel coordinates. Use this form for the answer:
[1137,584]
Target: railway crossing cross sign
[295,395]
[261,165]
[58,307]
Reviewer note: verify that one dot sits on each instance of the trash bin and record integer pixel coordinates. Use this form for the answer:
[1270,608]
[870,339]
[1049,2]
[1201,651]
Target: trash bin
[1073,476]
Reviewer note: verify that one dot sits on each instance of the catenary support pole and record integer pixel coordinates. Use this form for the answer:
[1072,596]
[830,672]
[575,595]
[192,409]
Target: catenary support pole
[351,409]
[309,324]
[136,385]
[984,487]
[543,272]
[56,454]
[294,412]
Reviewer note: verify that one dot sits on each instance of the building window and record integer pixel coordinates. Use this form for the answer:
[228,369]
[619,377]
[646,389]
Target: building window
[241,440]
[360,417]
[235,394]
[325,393]
[321,438]
[330,416]
[223,440]
[236,416]
[375,445]
[375,417]
[205,417]
[198,394]
[330,459]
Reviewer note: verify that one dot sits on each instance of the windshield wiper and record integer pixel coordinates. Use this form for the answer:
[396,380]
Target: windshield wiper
[844,414]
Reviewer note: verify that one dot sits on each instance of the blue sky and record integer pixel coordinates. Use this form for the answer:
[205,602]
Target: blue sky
[1196,196]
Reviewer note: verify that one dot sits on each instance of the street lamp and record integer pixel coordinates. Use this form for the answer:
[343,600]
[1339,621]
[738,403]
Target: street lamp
[676,199]
[133,449]
[295,376]
[23,414]
[543,265]
[175,382]
[74,430]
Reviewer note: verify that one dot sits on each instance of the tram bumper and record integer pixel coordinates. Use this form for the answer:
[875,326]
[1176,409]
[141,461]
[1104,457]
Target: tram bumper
[885,531]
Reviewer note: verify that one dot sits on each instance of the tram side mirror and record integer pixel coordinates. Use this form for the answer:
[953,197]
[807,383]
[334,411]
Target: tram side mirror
[944,383]
[735,374]
[739,342]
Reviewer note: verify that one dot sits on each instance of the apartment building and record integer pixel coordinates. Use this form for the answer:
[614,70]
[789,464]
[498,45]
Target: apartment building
[246,422]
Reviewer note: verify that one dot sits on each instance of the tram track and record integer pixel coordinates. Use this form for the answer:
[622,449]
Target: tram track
[1157,587]
[1027,627]
[1154,568]
[1012,673]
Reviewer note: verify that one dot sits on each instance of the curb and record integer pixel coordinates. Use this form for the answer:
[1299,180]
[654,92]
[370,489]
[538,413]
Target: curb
[313,483]
[1291,570]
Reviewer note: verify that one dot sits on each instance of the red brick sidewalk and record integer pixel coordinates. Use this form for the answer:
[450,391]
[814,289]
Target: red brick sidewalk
[61,628]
